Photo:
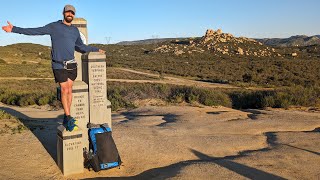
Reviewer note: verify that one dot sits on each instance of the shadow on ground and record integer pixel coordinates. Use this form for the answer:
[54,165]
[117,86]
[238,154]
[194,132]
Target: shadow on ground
[168,118]
[254,113]
[173,169]
[45,129]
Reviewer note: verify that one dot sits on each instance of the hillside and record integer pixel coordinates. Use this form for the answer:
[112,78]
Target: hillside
[216,57]
[28,52]
[146,41]
[299,40]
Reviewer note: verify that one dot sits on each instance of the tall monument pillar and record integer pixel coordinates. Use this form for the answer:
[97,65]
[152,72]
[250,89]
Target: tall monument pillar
[94,74]
[80,104]
[81,24]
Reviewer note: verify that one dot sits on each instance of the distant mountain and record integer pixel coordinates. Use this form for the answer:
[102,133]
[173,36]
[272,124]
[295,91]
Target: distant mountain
[299,40]
[147,41]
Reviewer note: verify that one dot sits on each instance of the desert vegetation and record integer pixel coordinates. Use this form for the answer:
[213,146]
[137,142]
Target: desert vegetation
[294,79]
[122,95]
[237,70]
[10,124]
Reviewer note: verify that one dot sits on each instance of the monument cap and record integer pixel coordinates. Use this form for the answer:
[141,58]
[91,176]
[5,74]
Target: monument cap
[69,8]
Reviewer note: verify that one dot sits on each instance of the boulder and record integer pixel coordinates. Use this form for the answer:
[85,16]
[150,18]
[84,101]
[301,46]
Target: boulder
[240,51]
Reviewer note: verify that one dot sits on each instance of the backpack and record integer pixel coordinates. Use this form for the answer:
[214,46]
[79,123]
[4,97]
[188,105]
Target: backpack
[103,153]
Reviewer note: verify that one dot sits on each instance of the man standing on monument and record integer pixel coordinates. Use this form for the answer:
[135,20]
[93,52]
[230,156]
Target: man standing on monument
[65,39]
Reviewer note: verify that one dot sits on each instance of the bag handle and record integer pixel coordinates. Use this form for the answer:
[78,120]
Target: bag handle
[106,127]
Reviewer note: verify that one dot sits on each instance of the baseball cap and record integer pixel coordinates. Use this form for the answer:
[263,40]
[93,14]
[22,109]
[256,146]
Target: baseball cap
[69,8]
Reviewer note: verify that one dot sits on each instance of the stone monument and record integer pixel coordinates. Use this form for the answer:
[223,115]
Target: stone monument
[89,104]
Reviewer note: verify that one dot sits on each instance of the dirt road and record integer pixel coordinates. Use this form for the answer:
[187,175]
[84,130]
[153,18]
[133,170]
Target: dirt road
[178,142]
[167,80]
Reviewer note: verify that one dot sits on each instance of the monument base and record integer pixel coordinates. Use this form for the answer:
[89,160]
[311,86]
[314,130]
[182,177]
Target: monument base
[69,151]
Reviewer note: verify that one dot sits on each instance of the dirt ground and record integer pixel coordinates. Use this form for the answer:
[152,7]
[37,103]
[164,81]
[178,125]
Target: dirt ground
[178,142]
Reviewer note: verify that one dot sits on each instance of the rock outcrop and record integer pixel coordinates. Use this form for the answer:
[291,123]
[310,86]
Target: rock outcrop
[218,43]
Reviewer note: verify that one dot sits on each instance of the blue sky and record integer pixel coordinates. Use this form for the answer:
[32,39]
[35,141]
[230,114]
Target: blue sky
[122,20]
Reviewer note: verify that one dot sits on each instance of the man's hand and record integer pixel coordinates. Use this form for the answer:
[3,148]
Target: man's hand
[8,28]
[102,51]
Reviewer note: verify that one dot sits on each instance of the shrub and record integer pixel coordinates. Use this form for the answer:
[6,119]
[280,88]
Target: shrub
[26,100]
[117,100]
[44,100]
[246,99]
[208,97]
[2,61]
[4,115]
[214,98]
[293,96]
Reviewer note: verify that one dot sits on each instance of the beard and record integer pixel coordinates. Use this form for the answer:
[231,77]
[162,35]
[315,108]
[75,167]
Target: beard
[68,19]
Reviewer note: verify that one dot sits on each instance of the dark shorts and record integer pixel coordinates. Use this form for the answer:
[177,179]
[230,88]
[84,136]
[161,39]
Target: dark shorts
[62,75]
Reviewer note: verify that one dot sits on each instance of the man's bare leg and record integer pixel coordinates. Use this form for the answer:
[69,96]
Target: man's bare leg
[70,83]
[65,97]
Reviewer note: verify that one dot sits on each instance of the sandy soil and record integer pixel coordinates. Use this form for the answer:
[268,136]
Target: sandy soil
[178,142]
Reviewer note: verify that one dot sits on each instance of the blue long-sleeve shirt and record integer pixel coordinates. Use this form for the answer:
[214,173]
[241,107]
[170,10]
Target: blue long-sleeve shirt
[64,40]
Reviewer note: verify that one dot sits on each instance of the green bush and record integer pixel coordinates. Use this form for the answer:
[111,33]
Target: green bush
[208,97]
[12,99]
[214,98]
[245,99]
[46,99]
[293,96]
[26,100]
[117,100]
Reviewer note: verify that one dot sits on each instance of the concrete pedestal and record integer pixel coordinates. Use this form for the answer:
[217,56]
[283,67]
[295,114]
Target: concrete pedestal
[69,151]
[94,74]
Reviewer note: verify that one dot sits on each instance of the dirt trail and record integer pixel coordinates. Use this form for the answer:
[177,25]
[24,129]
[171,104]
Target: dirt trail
[178,142]
[167,80]
[173,80]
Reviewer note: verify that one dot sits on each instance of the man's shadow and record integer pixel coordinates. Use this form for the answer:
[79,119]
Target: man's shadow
[173,170]
[45,129]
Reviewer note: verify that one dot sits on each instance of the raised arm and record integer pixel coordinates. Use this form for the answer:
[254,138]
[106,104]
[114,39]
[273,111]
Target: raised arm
[45,30]
[82,48]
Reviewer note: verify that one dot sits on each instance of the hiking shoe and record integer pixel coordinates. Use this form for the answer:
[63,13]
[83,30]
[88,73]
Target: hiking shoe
[72,124]
[65,121]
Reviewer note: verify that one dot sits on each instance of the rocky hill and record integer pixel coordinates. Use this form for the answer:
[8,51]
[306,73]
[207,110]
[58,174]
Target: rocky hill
[293,41]
[217,43]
